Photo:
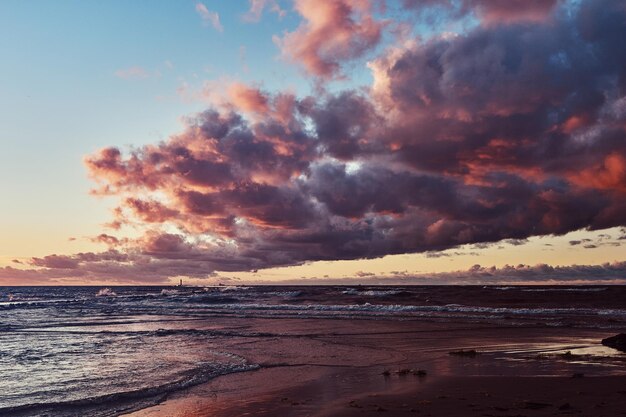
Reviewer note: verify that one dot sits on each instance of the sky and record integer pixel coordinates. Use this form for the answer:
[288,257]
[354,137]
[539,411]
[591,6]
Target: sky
[308,141]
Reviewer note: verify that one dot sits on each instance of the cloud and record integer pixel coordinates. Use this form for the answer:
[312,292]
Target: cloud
[209,17]
[490,12]
[106,239]
[462,140]
[153,260]
[601,240]
[607,273]
[511,11]
[509,131]
[258,6]
[146,268]
[248,98]
[332,32]
[55,262]
[542,273]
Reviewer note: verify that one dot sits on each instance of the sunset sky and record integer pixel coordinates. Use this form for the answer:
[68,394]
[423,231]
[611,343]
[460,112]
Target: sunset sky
[399,141]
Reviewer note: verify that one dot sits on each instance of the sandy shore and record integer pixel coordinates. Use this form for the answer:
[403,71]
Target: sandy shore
[355,368]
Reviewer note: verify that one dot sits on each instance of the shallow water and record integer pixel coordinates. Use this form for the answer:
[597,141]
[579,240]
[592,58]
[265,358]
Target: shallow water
[102,351]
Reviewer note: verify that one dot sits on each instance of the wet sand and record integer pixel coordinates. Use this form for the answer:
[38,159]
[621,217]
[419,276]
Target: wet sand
[321,367]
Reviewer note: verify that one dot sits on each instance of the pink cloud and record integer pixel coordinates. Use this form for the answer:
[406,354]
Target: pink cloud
[258,6]
[209,17]
[56,262]
[456,143]
[247,98]
[106,239]
[510,131]
[492,12]
[332,32]
[510,11]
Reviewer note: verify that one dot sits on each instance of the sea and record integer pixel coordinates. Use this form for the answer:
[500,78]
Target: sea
[75,351]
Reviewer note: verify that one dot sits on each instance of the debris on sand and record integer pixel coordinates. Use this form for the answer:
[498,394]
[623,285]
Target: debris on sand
[471,353]
[354,404]
[532,405]
[407,371]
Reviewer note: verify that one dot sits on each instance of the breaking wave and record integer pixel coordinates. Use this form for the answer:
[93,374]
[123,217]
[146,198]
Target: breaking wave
[106,292]
[100,405]
[371,293]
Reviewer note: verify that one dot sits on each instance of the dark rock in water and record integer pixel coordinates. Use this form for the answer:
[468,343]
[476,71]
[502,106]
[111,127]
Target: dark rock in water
[466,353]
[616,342]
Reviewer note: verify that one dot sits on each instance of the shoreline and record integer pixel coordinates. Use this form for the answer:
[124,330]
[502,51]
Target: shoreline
[320,351]
[245,395]
[309,371]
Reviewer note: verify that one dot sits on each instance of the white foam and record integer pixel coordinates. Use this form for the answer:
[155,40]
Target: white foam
[564,289]
[397,308]
[231,288]
[106,292]
[370,293]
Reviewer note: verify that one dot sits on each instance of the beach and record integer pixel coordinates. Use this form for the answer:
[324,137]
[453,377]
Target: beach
[357,368]
[311,351]
[313,208]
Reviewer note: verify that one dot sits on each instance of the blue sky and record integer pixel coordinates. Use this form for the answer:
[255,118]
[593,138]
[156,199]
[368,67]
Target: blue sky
[60,98]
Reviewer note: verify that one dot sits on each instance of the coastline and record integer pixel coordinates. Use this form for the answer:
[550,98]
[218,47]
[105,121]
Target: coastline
[329,368]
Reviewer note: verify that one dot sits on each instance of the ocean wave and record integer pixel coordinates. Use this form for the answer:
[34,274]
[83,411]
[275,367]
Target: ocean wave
[371,293]
[285,294]
[106,292]
[97,405]
[400,308]
[229,288]
[10,305]
[168,291]
[210,298]
[17,297]
[564,289]
[544,289]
